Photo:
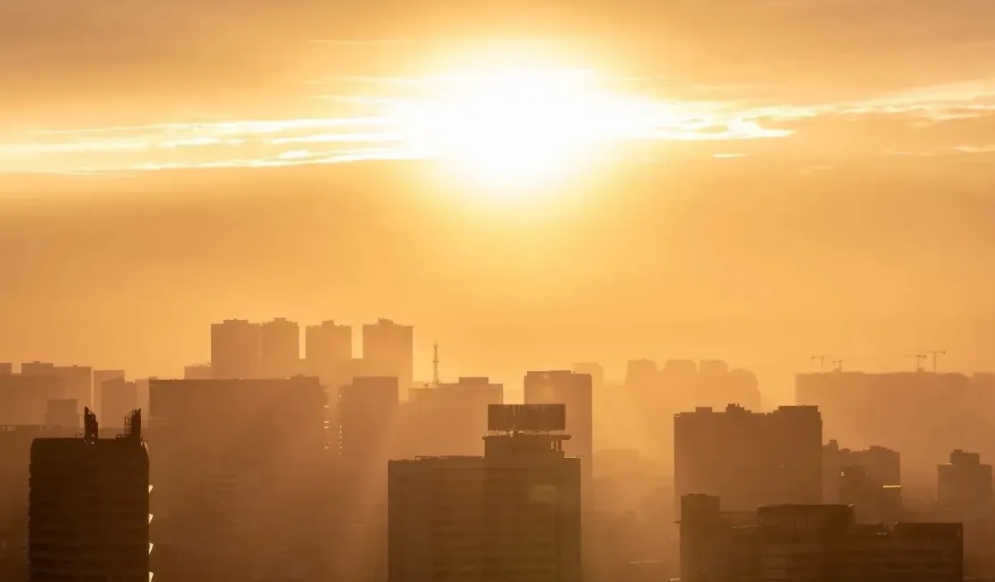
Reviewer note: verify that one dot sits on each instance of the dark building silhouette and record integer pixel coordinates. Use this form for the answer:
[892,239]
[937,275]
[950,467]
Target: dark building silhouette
[449,419]
[235,349]
[15,458]
[279,348]
[388,349]
[89,506]
[813,543]
[198,372]
[118,396]
[235,467]
[750,458]
[24,398]
[513,514]
[6,369]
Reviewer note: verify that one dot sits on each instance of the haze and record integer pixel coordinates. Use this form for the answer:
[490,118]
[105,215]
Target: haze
[760,180]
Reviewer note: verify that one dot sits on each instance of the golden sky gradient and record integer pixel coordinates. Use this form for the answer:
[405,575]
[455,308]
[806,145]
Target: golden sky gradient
[772,178]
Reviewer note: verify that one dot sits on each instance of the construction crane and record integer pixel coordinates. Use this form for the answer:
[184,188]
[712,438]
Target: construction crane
[822,361]
[935,353]
[435,365]
[918,359]
[837,365]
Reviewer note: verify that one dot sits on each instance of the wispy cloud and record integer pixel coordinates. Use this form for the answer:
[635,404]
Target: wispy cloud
[401,127]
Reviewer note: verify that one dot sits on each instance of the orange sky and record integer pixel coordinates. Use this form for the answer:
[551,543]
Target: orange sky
[856,218]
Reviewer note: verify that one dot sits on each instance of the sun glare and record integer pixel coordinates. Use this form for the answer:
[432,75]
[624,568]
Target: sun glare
[511,131]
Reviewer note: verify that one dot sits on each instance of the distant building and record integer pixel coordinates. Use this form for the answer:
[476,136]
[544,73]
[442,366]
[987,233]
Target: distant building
[280,349]
[99,377]
[450,419]
[576,393]
[78,383]
[37,369]
[327,352]
[198,372]
[748,458]
[513,514]
[813,542]
[923,414]
[235,350]
[119,397]
[388,349]
[63,413]
[89,507]
[236,463]
[6,369]
[595,371]
[367,412]
[964,480]
[368,416]
[881,464]
[24,398]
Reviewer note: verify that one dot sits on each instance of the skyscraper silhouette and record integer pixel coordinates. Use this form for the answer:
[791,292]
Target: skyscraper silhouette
[89,506]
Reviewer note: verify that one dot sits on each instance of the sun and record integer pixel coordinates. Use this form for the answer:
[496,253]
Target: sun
[510,131]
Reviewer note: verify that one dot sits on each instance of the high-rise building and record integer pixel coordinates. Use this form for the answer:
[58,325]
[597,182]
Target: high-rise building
[198,372]
[24,398]
[99,377]
[235,465]
[882,465]
[388,348]
[235,349]
[367,412]
[924,415]
[450,419]
[37,369]
[119,397]
[327,351]
[89,506]
[965,480]
[280,348]
[78,383]
[513,514]
[575,392]
[63,413]
[747,458]
[368,417]
[15,458]
[813,542]
[6,369]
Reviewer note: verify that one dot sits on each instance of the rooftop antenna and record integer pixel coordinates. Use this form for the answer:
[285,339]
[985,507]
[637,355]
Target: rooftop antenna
[91,431]
[435,365]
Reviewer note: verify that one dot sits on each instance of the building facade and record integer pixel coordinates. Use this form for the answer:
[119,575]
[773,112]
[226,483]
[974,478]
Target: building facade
[748,458]
[512,515]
